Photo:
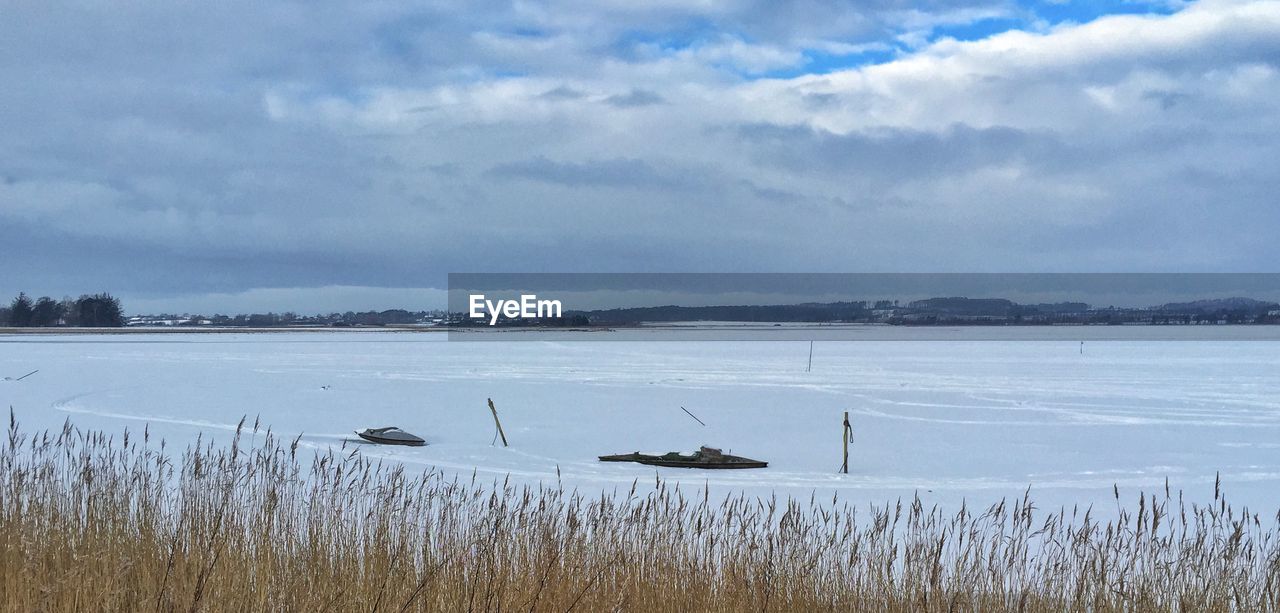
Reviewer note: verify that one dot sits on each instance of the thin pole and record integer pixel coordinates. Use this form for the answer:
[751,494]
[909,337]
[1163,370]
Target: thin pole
[848,434]
[27,375]
[499,424]
[693,416]
[809,368]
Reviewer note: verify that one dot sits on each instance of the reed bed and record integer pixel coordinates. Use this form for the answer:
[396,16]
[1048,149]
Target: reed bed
[94,522]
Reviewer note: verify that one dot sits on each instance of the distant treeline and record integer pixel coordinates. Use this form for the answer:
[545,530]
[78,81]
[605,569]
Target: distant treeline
[811,312]
[104,310]
[931,311]
[953,311]
[94,311]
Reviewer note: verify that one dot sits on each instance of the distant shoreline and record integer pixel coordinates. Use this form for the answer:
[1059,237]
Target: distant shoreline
[655,326]
[211,330]
[705,331]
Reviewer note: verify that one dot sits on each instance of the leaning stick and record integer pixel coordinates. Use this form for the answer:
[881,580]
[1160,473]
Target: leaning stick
[27,375]
[693,416]
[498,423]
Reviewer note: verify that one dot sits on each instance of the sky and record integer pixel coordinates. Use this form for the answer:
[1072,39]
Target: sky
[243,155]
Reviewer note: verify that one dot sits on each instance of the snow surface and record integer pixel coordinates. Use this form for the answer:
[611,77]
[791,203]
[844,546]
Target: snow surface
[952,420]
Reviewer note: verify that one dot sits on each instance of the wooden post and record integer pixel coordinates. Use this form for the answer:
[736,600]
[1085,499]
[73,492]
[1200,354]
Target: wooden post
[499,424]
[848,434]
[810,366]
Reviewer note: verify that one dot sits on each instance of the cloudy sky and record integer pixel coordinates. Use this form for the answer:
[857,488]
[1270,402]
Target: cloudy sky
[246,155]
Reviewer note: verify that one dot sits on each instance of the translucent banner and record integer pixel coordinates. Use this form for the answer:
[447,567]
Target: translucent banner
[862,306]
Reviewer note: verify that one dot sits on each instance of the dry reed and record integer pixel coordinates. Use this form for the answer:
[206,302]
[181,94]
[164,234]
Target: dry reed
[91,522]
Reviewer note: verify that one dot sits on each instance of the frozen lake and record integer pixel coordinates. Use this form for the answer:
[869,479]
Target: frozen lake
[951,419]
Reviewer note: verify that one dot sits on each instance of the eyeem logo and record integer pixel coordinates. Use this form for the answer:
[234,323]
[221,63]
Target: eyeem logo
[527,307]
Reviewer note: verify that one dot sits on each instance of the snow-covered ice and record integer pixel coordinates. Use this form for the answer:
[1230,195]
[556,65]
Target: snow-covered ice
[960,419]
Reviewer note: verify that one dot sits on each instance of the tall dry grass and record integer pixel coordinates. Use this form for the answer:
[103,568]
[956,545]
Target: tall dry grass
[91,522]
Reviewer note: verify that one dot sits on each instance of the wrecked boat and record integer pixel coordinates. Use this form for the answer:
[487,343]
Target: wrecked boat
[390,435]
[705,457]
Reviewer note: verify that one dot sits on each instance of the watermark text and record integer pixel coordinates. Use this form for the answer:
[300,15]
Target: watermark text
[528,306]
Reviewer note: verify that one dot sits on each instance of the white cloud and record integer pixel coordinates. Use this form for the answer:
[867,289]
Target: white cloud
[1057,80]
[740,55]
